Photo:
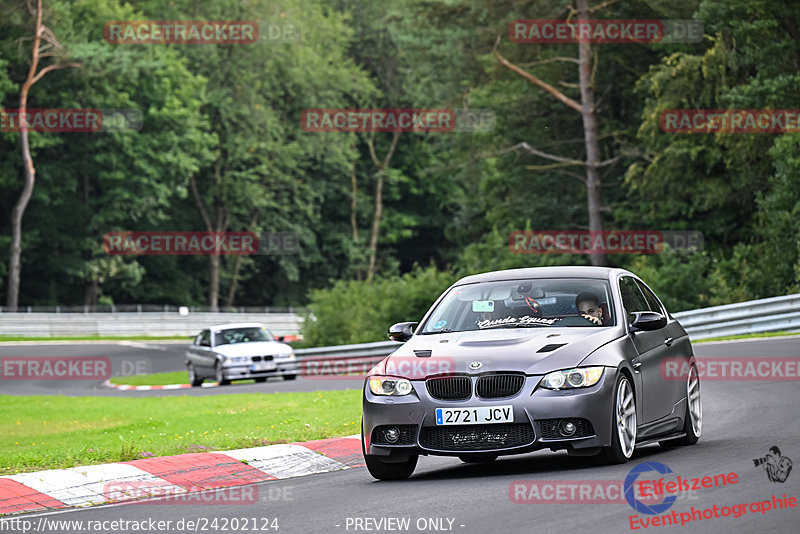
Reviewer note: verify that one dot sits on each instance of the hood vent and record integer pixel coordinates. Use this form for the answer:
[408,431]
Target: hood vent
[423,353]
[551,347]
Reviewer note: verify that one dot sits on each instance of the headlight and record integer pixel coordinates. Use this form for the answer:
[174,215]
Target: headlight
[572,378]
[383,385]
[237,359]
[289,356]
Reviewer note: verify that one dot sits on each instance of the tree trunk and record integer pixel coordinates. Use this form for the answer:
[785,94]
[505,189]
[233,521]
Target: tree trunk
[353,218]
[594,198]
[376,223]
[378,209]
[15,254]
[213,289]
[221,224]
[237,265]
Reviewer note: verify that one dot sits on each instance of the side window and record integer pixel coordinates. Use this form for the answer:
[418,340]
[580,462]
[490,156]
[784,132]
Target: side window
[651,299]
[632,297]
[205,339]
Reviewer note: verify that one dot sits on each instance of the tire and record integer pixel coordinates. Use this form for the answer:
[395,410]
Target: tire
[194,380]
[221,380]
[623,430]
[261,379]
[385,471]
[693,418]
[289,377]
[479,458]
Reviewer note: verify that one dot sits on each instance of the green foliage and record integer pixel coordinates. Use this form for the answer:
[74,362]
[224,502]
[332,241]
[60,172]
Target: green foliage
[228,117]
[359,312]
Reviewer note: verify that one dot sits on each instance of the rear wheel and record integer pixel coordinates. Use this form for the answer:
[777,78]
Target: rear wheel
[693,418]
[194,380]
[261,379]
[388,471]
[478,458]
[623,434]
[220,376]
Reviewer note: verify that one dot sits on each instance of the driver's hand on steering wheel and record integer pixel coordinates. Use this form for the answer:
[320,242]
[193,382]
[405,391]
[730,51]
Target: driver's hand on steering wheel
[592,318]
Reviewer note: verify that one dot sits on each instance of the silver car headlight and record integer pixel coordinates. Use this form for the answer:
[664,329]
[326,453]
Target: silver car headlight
[288,356]
[386,385]
[237,359]
[582,377]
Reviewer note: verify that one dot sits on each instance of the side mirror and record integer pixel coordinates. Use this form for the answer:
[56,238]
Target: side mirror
[279,338]
[648,320]
[401,332]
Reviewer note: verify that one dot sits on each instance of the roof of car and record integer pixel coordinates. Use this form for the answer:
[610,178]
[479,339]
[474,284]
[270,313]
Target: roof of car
[541,272]
[228,326]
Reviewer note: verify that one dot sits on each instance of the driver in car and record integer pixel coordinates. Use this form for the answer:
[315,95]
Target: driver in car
[589,307]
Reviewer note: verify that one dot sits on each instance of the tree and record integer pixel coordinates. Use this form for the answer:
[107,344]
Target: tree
[40,33]
[586,108]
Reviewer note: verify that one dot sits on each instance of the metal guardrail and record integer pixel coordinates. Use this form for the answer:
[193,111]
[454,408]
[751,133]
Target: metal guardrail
[756,316]
[753,317]
[344,359]
[152,308]
[144,324]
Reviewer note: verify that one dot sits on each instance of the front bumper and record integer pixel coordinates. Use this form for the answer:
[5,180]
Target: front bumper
[245,371]
[537,413]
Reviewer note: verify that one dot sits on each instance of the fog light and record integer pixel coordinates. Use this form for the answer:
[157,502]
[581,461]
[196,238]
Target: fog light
[567,428]
[392,434]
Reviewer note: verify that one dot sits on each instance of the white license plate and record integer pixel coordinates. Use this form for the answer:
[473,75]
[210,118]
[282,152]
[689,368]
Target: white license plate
[483,415]
[267,366]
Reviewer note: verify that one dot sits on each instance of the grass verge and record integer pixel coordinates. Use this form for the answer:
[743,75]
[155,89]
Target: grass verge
[748,336]
[49,432]
[155,379]
[161,379]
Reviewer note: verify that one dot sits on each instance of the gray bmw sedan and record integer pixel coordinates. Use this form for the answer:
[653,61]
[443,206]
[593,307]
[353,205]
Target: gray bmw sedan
[585,359]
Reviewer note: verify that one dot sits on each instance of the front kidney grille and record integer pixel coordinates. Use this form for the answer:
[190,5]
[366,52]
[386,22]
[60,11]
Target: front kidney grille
[453,388]
[476,437]
[495,386]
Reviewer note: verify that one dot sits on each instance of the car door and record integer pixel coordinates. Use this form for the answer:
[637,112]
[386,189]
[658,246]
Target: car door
[650,349]
[676,347]
[203,355]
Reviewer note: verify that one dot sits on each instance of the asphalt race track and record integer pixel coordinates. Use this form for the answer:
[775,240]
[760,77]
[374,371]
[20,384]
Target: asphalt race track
[742,420]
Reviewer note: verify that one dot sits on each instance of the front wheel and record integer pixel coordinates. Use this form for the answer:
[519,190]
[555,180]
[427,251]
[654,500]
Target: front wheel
[289,377]
[388,471]
[220,376]
[693,417]
[194,380]
[623,434]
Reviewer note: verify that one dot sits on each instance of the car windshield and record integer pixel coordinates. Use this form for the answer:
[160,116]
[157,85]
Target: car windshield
[530,303]
[242,335]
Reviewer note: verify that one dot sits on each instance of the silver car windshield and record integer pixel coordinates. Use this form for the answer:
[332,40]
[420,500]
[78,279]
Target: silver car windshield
[242,335]
[532,303]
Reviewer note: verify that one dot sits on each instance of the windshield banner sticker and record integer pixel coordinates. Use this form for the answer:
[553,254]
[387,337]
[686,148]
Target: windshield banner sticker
[526,319]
